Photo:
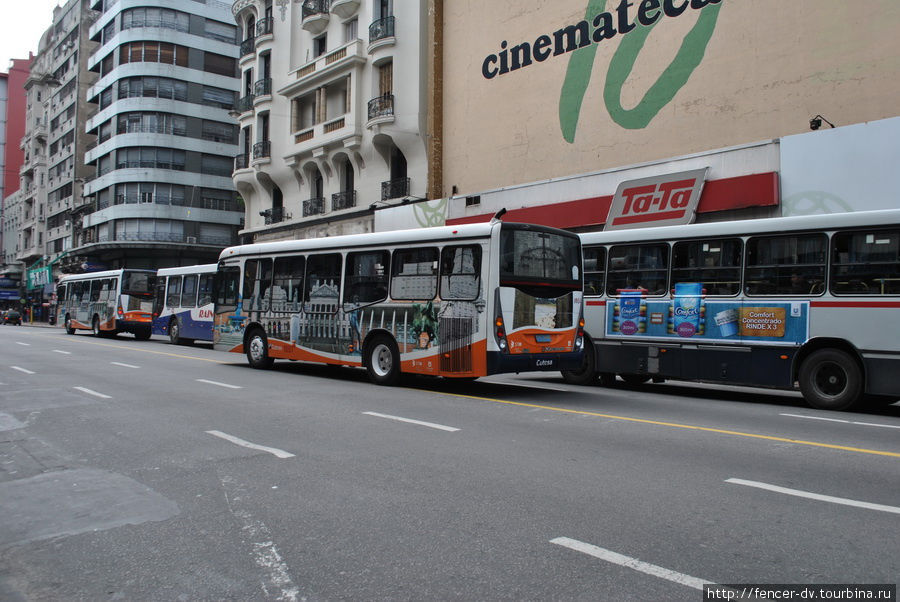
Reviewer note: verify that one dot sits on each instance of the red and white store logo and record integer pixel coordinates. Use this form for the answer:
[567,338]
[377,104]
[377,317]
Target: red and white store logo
[656,201]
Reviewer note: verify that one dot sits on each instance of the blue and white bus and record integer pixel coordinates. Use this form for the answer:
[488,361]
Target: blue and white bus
[183,306]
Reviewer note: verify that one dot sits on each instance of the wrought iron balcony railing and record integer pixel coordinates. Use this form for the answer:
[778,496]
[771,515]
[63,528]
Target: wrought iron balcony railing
[382,28]
[241,162]
[395,189]
[343,200]
[314,206]
[265,26]
[248,46]
[263,87]
[314,7]
[275,215]
[262,149]
[383,106]
[245,103]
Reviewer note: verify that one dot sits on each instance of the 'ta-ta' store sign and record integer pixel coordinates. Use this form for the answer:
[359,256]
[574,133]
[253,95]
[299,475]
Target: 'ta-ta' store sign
[666,200]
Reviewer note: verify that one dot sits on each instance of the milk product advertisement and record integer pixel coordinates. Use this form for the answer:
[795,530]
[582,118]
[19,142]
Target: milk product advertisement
[688,314]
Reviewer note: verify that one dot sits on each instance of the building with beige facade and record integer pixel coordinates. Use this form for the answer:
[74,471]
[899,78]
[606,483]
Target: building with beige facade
[334,113]
[550,107]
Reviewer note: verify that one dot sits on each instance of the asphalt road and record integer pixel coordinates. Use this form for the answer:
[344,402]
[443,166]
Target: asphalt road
[142,471]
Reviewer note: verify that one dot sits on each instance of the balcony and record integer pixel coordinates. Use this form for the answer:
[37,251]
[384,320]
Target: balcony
[325,68]
[263,87]
[397,188]
[343,200]
[275,215]
[381,32]
[314,206]
[241,162]
[381,110]
[248,46]
[315,16]
[245,104]
[262,150]
[344,8]
[265,27]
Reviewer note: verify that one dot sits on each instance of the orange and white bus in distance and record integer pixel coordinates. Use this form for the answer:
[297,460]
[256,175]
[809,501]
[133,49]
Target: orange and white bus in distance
[812,300]
[107,302]
[465,301]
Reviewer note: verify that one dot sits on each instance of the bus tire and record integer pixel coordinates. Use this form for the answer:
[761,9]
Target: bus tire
[175,332]
[143,334]
[831,380]
[69,328]
[635,379]
[382,361]
[257,347]
[587,374]
[95,327]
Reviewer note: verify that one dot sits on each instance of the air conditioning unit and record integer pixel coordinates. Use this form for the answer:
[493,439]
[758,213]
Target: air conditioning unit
[191,240]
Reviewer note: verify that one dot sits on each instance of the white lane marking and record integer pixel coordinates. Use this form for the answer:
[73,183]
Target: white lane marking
[24,344]
[278,583]
[631,563]
[123,365]
[274,451]
[411,421]
[887,426]
[20,369]
[218,384]
[63,352]
[94,393]
[816,496]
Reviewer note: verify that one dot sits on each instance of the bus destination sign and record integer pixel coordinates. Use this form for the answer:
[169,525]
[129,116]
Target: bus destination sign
[666,200]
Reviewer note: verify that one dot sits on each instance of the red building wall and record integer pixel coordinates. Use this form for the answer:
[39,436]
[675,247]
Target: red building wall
[15,122]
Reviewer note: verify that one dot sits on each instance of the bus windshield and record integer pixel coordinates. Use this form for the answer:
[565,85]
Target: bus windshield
[139,284]
[535,258]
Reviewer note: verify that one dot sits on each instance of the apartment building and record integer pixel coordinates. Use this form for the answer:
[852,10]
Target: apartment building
[159,191]
[335,113]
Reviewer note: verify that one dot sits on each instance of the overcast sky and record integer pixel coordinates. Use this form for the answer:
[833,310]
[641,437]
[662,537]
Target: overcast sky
[21,26]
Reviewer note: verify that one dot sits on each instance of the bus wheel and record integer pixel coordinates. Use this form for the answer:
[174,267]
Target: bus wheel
[174,332]
[635,379]
[69,328]
[382,361]
[587,373]
[258,350]
[95,327]
[830,380]
[142,335]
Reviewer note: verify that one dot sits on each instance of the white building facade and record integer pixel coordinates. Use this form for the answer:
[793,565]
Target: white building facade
[160,191]
[334,113]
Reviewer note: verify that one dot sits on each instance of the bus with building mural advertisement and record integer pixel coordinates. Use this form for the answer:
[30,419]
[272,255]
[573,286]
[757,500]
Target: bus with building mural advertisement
[107,302]
[183,304]
[463,302]
[811,301]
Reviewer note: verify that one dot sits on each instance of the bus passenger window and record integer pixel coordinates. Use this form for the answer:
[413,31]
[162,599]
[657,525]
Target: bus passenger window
[173,292]
[205,290]
[257,280]
[323,281]
[287,287]
[866,263]
[594,270]
[638,267]
[414,274]
[366,277]
[461,272]
[785,265]
[716,264]
[189,291]
[95,291]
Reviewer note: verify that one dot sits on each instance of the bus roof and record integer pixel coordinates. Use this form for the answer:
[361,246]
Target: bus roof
[393,237]
[103,274]
[854,219]
[203,268]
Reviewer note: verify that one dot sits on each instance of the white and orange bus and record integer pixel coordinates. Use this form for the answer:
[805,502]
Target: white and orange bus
[812,301]
[107,302]
[464,301]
